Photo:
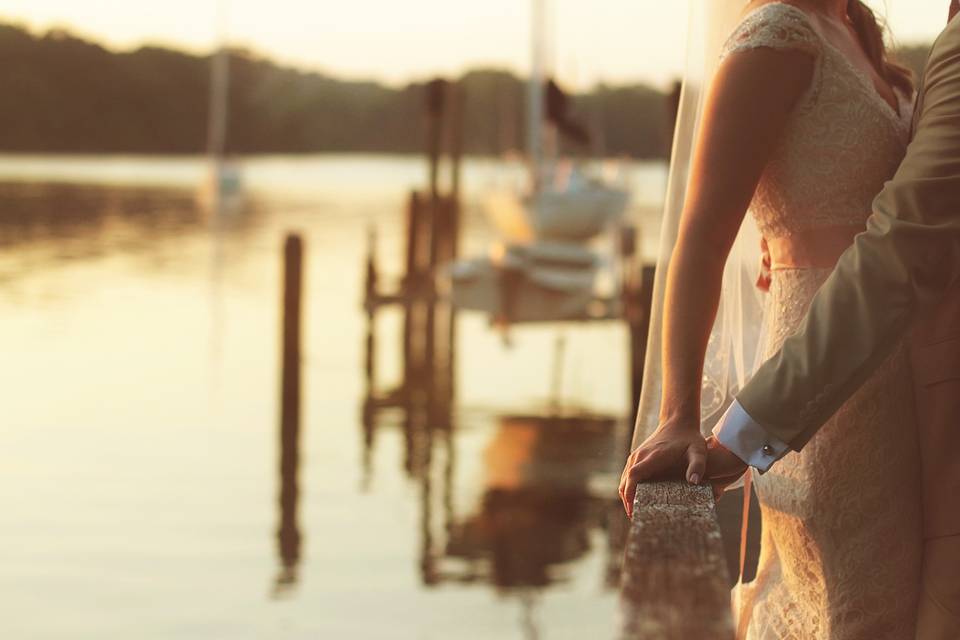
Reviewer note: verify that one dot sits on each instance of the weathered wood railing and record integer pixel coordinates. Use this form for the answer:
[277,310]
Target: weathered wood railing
[675,578]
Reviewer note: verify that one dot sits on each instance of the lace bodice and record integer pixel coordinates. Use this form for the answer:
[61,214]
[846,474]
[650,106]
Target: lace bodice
[821,174]
[841,549]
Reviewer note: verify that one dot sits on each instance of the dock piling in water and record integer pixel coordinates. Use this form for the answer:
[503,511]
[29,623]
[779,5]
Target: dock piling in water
[639,299]
[288,532]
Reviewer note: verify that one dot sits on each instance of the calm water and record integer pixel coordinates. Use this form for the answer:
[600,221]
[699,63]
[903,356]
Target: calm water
[140,412]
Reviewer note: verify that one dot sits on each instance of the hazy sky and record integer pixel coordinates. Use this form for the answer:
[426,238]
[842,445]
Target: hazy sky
[396,40]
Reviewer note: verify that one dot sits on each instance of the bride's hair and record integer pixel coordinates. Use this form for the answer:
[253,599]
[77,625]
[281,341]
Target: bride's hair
[870,32]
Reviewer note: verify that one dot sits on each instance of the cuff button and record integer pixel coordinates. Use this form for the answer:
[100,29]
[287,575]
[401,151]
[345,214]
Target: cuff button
[767,450]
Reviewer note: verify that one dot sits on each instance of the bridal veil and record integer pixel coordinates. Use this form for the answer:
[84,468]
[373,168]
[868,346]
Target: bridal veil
[735,341]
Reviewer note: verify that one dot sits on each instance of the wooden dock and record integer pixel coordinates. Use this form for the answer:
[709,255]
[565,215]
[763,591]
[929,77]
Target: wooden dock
[675,577]
[675,580]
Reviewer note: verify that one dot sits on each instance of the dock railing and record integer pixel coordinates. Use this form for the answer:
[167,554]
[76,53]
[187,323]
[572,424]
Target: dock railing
[675,579]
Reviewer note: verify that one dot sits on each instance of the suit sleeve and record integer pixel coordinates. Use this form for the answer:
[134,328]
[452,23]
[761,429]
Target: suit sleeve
[906,260]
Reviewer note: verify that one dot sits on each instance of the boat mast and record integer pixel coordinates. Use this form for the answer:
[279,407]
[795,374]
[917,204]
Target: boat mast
[219,87]
[535,94]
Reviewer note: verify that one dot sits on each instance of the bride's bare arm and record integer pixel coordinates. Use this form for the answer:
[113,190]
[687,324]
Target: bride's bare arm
[751,99]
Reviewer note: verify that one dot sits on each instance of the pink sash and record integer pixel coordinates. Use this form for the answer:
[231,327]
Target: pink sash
[819,248]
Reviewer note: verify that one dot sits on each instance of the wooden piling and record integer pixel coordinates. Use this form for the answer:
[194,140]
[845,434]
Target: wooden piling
[432,232]
[455,137]
[435,104]
[288,533]
[437,219]
[638,305]
[414,240]
[292,286]
[672,109]
[451,242]
[411,286]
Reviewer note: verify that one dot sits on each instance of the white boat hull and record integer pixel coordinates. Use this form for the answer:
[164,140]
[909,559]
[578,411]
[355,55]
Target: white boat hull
[572,215]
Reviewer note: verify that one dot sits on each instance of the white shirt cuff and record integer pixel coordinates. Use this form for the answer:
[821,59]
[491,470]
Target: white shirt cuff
[750,442]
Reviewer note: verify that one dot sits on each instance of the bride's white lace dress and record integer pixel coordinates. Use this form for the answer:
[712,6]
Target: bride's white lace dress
[841,542]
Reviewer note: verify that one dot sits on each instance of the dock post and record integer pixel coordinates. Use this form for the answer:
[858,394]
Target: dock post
[435,105]
[638,305]
[292,287]
[450,314]
[288,533]
[411,286]
[414,232]
[455,137]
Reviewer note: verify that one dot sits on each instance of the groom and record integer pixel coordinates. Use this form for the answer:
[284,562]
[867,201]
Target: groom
[902,274]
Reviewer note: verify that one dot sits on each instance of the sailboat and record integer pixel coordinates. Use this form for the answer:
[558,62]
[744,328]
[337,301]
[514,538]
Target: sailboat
[563,202]
[222,189]
[543,269]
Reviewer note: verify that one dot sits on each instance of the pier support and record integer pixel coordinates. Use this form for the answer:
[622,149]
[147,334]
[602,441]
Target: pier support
[639,299]
[288,531]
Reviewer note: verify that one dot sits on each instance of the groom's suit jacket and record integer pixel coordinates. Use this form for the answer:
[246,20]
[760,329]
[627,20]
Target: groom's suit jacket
[903,273]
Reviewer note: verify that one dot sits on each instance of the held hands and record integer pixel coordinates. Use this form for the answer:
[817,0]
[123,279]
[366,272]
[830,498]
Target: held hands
[723,466]
[677,450]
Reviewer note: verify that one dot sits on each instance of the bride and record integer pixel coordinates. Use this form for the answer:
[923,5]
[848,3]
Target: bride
[805,119]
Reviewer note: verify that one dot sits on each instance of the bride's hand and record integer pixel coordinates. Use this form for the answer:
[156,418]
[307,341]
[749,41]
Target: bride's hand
[676,450]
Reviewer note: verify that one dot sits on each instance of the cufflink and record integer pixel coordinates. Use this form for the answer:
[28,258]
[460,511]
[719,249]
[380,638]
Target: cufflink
[767,450]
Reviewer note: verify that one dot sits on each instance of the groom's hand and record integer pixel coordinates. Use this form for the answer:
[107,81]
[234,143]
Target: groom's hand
[676,450]
[723,467]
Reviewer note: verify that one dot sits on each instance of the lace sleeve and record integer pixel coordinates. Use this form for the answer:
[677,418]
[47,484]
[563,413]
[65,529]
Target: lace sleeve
[776,26]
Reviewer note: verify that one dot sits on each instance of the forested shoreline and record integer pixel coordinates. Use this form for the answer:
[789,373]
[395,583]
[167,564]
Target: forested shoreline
[64,94]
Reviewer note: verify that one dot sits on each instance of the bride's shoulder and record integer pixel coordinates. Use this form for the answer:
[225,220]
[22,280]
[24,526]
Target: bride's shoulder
[775,25]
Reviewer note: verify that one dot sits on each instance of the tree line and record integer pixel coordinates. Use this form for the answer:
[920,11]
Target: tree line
[66,94]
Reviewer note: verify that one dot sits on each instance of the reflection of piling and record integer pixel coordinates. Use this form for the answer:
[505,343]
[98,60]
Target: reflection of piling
[288,534]
[370,361]
[432,229]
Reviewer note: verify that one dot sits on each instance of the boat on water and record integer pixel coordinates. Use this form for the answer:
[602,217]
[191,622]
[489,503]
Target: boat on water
[534,282]
[221,191]
[546,266]
[571,206]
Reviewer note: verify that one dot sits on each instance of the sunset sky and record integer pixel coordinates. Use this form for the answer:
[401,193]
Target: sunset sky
[398,40]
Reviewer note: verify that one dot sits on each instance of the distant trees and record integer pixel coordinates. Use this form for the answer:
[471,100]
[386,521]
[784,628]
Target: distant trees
[914,57]
[64,94]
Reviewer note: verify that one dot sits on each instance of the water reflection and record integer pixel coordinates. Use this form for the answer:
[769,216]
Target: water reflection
[537,508]
[540,500]
[70,212]
[288,531]
[48,222]
[170,463]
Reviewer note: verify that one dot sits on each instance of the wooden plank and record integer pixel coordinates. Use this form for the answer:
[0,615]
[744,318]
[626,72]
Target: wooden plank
[675,581]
